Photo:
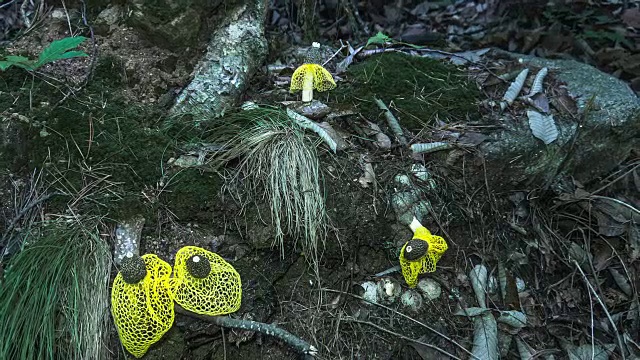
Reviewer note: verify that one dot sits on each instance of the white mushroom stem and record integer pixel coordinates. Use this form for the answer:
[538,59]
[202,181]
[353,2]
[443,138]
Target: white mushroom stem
[415,224]
[307,87]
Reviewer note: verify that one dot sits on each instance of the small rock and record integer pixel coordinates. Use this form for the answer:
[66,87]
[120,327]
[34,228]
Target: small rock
[186,161]
[313,110]
[402,179]
[520,285]
[108,19]
[418,34]
[418,210]
[63,15]
[370,292]
[402,201]
[430,288]
[412,300]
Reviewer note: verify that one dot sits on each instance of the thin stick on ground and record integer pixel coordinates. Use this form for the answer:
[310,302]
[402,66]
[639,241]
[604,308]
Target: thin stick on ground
[604,307]
[295,342]
[451,356]
[406,317]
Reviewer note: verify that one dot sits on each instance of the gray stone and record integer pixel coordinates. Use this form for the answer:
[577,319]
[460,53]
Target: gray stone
[234,53]
[606,136]
[108,19]
[171,24]
[314,110]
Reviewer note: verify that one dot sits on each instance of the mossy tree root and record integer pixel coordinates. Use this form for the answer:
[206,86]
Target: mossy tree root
[268,329]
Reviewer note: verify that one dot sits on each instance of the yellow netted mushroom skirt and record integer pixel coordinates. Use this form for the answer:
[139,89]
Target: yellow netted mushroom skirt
[144,311]
[425,264]
[217,293]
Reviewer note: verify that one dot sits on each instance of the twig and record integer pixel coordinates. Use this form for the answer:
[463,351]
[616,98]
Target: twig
[393,122]
[390,270]
[94,52]
[334,55]
[406,317]
[22,213]
[630,207]
[604,307]
[451,356]
[267,329]
[616,180]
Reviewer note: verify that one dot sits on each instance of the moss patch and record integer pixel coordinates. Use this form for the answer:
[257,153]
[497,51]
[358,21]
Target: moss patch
[191,195]
[421,89]
[94,140]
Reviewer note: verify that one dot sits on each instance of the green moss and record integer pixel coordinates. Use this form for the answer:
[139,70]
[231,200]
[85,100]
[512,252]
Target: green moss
[190,194]
[93,138]
[421,89]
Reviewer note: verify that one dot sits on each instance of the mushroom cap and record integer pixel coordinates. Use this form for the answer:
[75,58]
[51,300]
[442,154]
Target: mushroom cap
[322,79]
[199,266]
[415,249]
[133,269]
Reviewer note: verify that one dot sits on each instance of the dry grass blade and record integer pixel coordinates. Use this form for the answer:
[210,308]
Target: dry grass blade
[278,164]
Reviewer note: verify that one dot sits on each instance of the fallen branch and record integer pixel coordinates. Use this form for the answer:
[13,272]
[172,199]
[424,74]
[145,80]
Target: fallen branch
[393,122]
[268,329]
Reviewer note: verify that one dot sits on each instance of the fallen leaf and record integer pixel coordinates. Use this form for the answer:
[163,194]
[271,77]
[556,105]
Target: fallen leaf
[478,278]
[540,102]
[588,352]
[622,281]
[563,101]
[369,176]
[542,126]
[471,139]
[485,337]
[631,17]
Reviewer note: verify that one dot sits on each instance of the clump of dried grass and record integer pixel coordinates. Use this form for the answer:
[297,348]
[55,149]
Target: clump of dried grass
[280,165]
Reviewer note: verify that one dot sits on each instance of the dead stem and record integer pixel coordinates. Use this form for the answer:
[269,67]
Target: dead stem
[604,308]
[451,356]
[404,316]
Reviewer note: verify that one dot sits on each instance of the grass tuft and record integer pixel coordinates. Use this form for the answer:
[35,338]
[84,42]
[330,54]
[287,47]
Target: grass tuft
[279,164]
[54,297]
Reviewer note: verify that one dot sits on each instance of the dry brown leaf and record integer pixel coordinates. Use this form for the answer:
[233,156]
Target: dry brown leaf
[563,102]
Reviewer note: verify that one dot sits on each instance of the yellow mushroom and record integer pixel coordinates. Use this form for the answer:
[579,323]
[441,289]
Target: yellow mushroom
[141,305]
[421,254]
[310,76]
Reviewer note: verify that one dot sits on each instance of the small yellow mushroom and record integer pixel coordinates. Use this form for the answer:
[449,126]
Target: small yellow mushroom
[310,76]
[421,254]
